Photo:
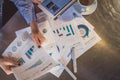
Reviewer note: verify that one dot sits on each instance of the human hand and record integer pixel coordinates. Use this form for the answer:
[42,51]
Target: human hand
[38,38]
[36,34]
[37,1]
[7,64]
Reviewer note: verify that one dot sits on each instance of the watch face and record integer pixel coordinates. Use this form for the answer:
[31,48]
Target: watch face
[54,6]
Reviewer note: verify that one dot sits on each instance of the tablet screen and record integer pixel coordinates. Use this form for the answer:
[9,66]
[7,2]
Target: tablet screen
[54,6]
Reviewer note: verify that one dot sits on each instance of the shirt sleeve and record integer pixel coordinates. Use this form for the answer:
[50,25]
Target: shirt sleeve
[26,8]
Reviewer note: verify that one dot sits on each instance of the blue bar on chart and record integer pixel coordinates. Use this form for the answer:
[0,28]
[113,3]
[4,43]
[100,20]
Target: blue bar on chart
[68,29]
[20,61]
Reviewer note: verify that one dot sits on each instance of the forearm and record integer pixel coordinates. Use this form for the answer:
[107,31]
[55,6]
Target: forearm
[28,12]
[26,8]
[36,34]
[34,27]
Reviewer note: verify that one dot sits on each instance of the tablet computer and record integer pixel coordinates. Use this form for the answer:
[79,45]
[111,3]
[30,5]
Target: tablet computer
[55,8]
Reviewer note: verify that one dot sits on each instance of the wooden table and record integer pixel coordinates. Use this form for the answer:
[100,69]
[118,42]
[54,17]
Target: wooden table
[101,62]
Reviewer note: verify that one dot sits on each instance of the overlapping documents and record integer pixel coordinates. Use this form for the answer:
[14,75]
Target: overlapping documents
[61,36]
[77,32]
[34,62]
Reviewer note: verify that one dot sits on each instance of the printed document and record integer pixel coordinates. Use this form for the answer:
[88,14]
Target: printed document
[34,62]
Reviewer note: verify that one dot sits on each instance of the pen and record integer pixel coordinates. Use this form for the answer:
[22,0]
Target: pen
[74,60]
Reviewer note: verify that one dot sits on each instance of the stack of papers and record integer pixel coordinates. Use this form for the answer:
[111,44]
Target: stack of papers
[34,62]
[70,30]
[63,35]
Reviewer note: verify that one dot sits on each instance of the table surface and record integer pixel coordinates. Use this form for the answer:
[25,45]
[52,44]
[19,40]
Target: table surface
[101,62]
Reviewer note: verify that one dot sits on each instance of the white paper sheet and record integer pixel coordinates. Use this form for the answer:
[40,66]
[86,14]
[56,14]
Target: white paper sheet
[45,29]
[34,61]
[65,32]
[92,40]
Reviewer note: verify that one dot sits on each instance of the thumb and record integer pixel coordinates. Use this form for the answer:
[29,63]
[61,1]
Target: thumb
[7,69]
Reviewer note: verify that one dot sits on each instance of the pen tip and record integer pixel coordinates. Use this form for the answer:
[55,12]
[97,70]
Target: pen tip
[39,46]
